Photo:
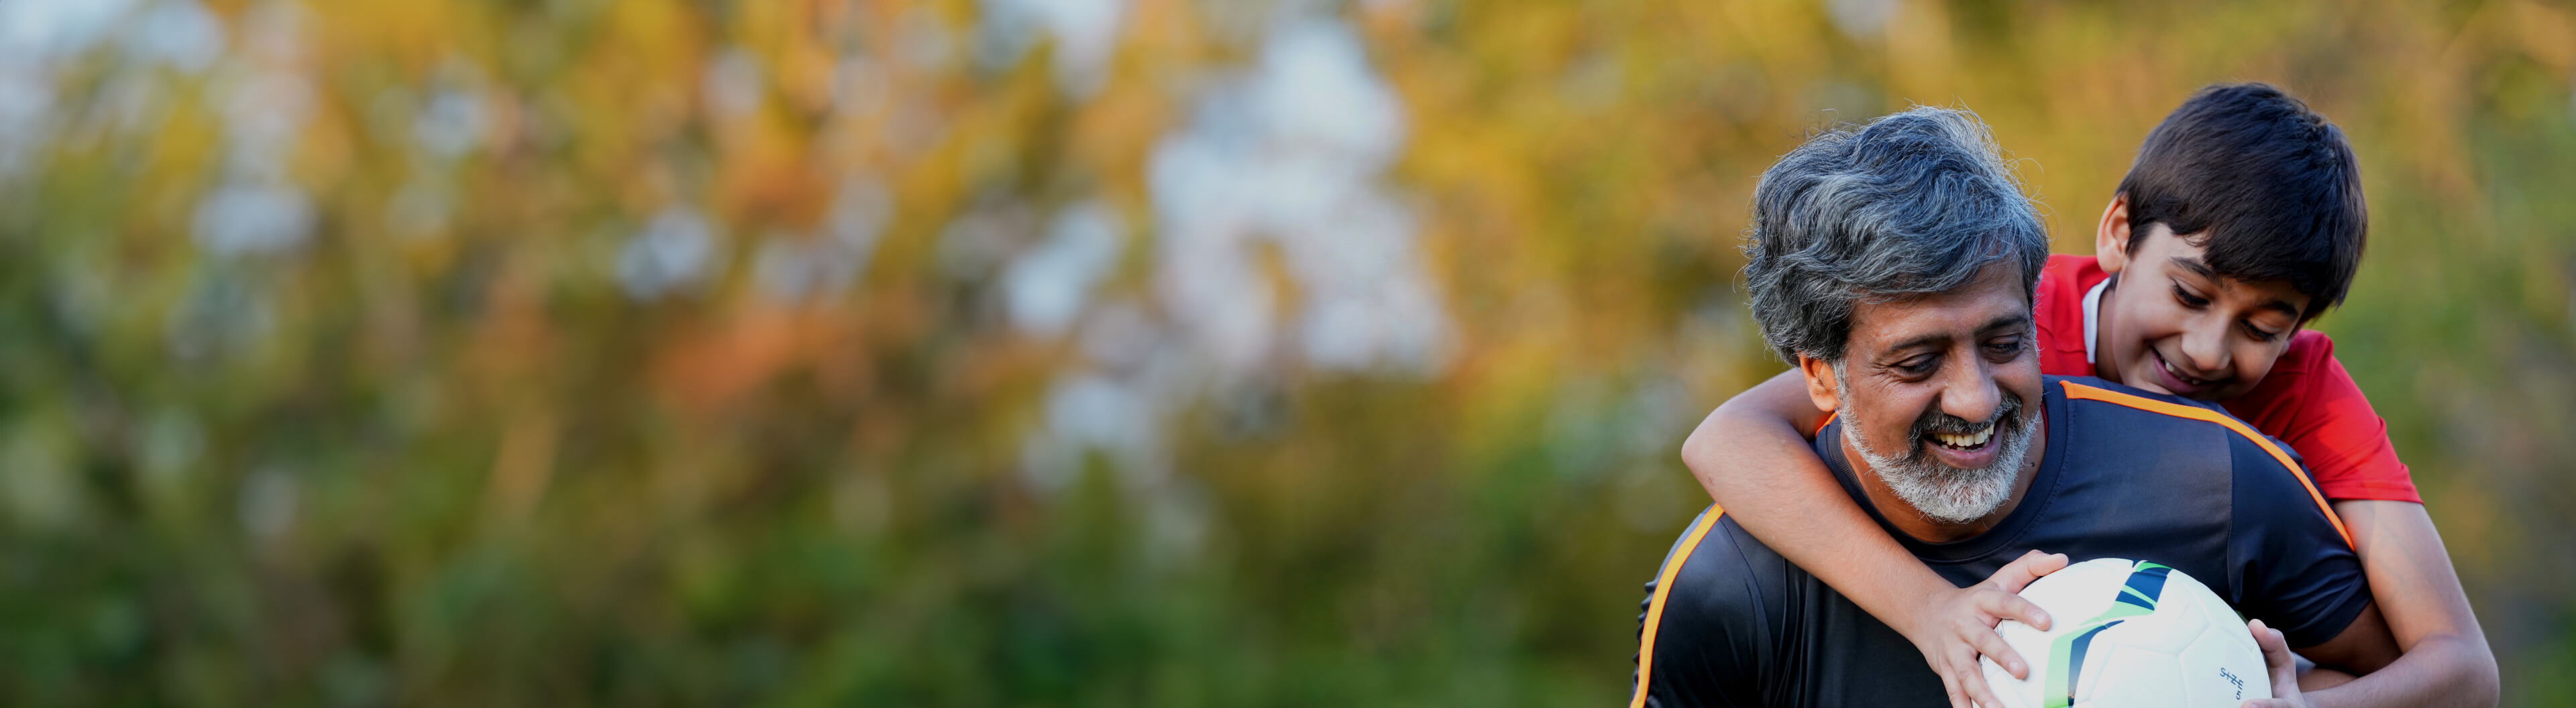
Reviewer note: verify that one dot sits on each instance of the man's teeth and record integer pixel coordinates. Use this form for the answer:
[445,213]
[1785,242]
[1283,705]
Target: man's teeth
[1968,440]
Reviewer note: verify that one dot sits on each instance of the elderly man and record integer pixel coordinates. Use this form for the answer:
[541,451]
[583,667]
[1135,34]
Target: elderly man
[1894,264]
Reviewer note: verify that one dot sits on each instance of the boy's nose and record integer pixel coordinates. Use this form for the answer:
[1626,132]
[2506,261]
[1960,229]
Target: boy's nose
[2204,351]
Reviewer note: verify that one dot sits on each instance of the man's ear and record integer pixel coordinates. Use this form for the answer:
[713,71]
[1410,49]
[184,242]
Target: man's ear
[2111,237]
[1820,383]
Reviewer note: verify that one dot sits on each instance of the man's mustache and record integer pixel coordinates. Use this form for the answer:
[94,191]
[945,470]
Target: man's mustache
[1935,422]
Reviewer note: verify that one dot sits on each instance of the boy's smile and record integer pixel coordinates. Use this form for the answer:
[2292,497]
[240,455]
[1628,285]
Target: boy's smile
[2168,323]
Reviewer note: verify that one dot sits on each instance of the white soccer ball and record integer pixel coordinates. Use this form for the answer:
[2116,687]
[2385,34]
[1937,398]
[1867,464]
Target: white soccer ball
[2130,633]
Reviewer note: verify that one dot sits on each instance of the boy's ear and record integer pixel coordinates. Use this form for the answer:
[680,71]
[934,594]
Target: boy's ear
[2111,237]
[1820,383]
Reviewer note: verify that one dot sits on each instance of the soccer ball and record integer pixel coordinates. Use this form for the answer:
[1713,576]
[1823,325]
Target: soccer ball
[2130,633]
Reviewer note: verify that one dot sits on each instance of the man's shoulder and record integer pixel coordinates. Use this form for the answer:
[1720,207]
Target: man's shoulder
[2287,557]
[2261,466]
[1713,618]
[2139,411]
[2101,403]
[2128,427]
[1717,572]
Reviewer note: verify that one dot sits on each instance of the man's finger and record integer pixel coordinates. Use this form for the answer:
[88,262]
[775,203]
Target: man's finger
[2276,657]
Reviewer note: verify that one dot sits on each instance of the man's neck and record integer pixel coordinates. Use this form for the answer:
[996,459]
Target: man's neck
[1912,522]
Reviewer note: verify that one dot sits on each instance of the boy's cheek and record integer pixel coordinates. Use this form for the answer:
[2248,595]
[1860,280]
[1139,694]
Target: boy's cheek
[2254,366]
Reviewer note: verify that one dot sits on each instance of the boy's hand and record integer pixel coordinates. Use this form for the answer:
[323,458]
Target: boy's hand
[2284,666]
[1953,628]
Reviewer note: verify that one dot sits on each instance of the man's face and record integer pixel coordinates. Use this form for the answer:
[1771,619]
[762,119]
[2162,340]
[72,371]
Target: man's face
[2172,325]
[1939,393]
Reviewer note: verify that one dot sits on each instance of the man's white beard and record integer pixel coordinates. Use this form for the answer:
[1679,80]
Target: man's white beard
[1941,492]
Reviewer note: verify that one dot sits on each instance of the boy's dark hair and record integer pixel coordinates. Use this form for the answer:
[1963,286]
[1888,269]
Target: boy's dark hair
[2267,188]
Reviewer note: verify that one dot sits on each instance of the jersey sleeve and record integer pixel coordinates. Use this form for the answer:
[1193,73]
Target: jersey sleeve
[1709,644]
[2296,571]
[2058,305]
[2313,404]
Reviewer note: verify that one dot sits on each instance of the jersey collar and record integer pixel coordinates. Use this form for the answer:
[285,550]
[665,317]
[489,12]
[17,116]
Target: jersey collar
[2093,315]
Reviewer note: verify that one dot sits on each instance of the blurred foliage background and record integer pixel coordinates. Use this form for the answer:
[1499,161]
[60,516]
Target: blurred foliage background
[1066,352]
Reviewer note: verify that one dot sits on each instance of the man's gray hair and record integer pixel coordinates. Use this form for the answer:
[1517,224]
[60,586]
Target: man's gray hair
[1911,204]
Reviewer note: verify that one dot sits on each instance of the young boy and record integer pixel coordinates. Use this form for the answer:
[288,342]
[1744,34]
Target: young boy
[2241,220]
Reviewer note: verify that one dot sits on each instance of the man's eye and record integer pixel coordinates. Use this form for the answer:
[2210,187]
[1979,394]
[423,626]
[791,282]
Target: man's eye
[2004,350]
[2189,300]
[1918,367]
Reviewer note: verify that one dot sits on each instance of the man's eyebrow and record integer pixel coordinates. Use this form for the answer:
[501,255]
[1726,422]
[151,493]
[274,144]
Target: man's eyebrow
[2018,320]
[1925,340]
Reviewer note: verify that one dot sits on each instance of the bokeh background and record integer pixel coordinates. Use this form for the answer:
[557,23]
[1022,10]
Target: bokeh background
[1067,352]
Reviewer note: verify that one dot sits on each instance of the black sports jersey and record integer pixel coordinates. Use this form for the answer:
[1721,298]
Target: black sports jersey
[2126,474]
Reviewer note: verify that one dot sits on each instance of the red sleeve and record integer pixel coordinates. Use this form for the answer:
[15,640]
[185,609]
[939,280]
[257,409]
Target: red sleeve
[2058,304]
[2310,402]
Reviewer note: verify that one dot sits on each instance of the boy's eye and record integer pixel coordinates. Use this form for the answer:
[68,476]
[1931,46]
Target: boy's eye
[2260,334]
[2189,300]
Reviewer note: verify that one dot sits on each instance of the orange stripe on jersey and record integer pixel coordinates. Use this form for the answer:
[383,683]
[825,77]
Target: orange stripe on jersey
[1820,425]
[2077,390]
[1655,606]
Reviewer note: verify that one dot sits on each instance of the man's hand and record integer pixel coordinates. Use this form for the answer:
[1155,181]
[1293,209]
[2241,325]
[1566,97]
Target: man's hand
[2283,665]
[1953,628]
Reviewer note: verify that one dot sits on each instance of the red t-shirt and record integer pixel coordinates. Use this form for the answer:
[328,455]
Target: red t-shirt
[2308,400]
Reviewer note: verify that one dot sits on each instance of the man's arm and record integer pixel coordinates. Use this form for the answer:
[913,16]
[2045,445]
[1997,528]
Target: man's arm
[2362,646]
[1752,456]
[2445,659]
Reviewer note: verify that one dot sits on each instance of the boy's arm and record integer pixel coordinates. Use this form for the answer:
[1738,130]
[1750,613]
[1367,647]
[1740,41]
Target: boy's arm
[2445,660]
[1752,456]
[2324,415]
[2300,574]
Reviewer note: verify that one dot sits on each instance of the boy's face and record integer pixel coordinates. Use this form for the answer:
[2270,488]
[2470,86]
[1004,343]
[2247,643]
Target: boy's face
[2170,324]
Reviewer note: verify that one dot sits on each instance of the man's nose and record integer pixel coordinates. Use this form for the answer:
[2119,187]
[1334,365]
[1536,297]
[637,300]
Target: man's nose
[1968,391]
